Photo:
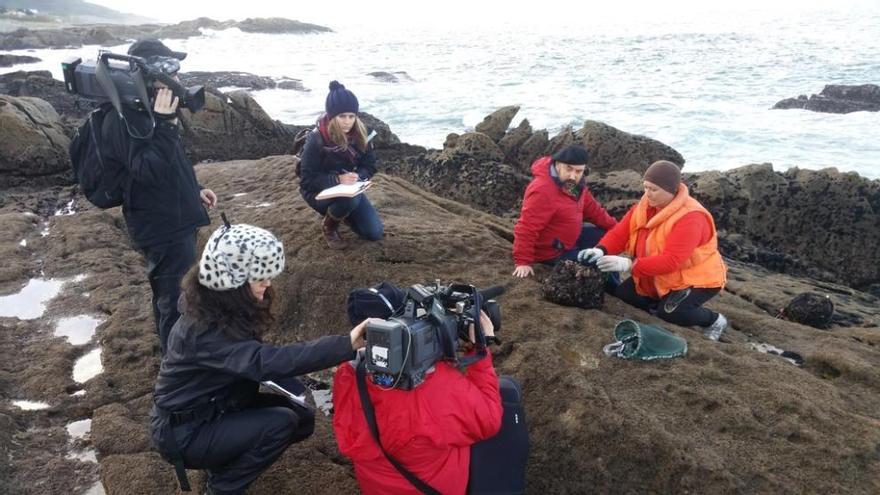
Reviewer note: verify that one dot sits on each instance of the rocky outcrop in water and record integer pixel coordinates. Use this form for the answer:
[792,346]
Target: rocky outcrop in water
[837,98]
[7,60]
[117,34]
[391,77]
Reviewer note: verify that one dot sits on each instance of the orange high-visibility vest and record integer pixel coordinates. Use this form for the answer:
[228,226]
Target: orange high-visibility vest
[703,269]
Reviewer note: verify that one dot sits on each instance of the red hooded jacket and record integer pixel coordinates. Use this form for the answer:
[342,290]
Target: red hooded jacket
[429,429]
[551,219]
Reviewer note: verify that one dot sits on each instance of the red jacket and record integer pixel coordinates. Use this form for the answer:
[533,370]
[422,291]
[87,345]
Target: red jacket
[551,219]
[429,429]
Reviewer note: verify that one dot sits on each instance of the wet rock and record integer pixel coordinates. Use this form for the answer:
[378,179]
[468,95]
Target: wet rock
[391,77]
[472,145]
[573,284]
[565,138]
[384,137]
[613,149]
[513,140]
[40,84]
[810,308]
[837,99]
[34,143]
[531,149]
[496,123]
[233,126]
[226,79]
[8,60]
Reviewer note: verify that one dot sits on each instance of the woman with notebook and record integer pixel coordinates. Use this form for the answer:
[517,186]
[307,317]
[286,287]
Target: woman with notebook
[338,153]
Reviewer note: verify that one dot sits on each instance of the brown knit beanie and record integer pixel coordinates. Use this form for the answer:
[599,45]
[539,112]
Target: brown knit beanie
[665,174]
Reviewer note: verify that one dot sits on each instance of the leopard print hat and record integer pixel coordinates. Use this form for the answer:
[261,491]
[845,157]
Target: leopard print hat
[236,254]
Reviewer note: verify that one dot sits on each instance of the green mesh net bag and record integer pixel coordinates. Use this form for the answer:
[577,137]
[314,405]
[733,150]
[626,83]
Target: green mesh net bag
[645,342]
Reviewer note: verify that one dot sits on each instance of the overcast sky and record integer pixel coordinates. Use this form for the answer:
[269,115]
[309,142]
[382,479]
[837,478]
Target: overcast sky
[431,13]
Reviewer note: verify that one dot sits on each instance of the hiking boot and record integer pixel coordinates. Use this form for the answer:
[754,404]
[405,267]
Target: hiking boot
[330,229]
[714,331]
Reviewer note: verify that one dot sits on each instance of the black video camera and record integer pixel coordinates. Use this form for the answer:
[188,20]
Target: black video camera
[402,349]
[125,80]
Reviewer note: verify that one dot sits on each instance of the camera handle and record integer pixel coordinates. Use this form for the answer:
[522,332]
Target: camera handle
[102,74]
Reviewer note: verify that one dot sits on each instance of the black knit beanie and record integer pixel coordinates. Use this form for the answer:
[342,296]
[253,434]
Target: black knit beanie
[340,100]
[572,155]
[665,174]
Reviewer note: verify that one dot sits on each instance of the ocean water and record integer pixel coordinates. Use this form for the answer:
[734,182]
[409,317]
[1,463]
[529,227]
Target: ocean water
[703,85]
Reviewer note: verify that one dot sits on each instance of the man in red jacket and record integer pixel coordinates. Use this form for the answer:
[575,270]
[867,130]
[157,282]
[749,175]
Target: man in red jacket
[557,202]
[429,429]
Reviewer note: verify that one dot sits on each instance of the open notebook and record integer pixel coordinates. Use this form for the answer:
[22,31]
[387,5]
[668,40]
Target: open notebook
[344,190]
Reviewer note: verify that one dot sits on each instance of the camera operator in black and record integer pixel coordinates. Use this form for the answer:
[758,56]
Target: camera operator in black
[163,202]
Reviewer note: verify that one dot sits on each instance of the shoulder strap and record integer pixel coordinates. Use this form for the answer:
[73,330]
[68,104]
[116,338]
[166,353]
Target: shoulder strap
[370,415]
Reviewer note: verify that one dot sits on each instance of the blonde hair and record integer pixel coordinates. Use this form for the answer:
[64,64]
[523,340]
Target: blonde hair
[340,139]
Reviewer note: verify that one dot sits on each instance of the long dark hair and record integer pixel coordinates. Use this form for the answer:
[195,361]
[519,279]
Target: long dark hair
[236,313]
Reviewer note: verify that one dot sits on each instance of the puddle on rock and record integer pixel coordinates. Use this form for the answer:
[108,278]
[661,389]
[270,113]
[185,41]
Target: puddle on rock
[96,489]
[79,429]
[78,329]
[27,405]
[67,210]
[87,455]
[88,366]
[79,393]
[30,302]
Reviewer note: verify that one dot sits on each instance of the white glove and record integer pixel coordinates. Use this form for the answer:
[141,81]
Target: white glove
[614,264]
[587,256]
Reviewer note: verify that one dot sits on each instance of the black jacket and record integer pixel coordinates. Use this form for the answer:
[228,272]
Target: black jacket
[320,167]
[203,367]
[161,200]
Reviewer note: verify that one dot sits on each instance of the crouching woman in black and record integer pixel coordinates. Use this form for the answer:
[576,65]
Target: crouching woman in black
[207,411]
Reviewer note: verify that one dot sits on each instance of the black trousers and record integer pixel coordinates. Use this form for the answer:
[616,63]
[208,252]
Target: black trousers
[682,307]
[236,447]
[167,263]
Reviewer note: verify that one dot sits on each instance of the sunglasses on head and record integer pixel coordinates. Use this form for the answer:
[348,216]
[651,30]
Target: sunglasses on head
[166,65]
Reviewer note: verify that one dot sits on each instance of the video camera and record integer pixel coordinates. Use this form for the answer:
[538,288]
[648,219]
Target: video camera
[126,80]
[402,349]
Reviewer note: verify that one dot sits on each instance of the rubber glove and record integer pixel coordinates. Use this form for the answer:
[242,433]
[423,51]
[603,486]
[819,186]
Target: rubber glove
[589,256]
[614,264]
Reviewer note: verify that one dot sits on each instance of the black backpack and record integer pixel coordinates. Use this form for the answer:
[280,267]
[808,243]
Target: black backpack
[380,301]
[299,144]
[101,181]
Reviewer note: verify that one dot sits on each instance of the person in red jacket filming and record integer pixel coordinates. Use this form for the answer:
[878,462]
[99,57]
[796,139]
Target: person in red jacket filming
[429,430]
[556,204]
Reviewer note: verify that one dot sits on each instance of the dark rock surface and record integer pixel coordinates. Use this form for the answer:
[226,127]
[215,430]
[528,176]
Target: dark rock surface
[724,419]
[8,60]
[613,149]
[40,84]
[836,98]
[34,142]
[384,137]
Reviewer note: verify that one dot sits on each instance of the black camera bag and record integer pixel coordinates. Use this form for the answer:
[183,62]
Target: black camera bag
[380,301]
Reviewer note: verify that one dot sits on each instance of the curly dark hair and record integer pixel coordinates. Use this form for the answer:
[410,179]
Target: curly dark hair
[234,312]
